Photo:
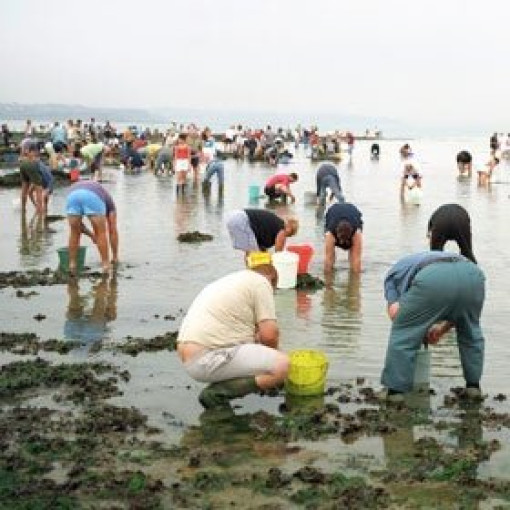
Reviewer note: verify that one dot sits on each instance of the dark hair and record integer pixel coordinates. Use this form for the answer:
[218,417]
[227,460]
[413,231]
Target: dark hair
[451,222]
[294,175]
[464,157]
[343,233]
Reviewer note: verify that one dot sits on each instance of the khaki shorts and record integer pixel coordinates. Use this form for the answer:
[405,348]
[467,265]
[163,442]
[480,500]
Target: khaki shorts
[244,360]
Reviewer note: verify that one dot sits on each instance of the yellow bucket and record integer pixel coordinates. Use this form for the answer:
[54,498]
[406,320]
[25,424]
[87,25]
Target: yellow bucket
[307,373]
[258,258]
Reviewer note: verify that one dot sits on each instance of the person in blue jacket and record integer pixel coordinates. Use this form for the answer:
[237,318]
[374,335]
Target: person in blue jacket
[428,294]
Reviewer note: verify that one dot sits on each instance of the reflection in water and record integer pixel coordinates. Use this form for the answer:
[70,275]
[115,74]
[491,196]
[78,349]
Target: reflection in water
[401,445]
[214,206]
[34,236]
[303,304]
[89,324]
[342,311]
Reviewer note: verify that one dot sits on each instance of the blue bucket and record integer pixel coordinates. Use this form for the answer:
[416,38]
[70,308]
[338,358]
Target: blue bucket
[254,192]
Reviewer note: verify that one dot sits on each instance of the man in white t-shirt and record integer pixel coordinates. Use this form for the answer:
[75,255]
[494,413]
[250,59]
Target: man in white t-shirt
[229,337]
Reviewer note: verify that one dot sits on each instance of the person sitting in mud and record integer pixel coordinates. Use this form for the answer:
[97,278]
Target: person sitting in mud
[464,163]
[90,199]
[375,151]
[278,186]
[327,178]
[259,230]
[229,337]
[429,293]
[343,226]
[32,184]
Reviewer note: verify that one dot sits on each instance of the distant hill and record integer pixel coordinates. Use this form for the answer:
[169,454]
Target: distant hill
[50,112]
[214,118]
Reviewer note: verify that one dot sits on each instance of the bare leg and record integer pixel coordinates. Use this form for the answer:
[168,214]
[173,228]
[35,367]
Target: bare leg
[99,226]
[74,241]
[277,377]
[113,234]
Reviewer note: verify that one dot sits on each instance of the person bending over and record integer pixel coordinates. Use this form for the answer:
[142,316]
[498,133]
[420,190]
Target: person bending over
[90,199]
[343,226]
[259,230]
[327,178]
[278,186]
[430,292]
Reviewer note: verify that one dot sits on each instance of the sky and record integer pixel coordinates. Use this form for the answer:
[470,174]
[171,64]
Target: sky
[421,62]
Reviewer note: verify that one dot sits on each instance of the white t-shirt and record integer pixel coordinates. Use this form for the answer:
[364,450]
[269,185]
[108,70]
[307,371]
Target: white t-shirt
[226,312]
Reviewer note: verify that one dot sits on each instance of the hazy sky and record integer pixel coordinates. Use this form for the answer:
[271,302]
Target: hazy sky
[420,61]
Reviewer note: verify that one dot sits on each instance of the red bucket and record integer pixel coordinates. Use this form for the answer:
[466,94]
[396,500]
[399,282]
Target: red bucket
[74,175]
[305,252]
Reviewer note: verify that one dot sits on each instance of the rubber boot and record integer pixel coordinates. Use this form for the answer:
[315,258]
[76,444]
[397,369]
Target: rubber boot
[220,393]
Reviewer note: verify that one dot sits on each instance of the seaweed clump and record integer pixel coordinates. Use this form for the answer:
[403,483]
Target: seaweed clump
[306,281]
[134,346]
[194,237]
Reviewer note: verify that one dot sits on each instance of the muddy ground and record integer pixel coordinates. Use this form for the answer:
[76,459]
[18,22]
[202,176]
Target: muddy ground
[78,450]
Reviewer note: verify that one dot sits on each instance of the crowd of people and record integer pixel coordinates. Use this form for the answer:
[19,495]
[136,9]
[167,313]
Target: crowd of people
[230,337]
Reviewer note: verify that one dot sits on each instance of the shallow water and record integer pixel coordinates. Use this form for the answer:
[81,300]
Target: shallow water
[347,321]
[159,278]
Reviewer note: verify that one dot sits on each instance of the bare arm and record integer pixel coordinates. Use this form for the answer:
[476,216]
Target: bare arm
[268,333]
[280,240]
[355,252]
[329,252]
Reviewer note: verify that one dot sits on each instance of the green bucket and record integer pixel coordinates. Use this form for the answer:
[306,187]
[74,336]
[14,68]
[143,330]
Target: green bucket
[63,259]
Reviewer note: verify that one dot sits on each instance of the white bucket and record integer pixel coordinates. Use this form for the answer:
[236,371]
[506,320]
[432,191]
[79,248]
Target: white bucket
[414,195]
[422,369]
[286,265]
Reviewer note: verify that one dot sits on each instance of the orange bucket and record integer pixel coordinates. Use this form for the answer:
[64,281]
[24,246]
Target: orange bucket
[305,253]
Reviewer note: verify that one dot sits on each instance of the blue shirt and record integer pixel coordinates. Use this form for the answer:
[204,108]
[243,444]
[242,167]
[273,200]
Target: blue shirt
[398,279]
[339,212]
[46,176]
[59,134]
